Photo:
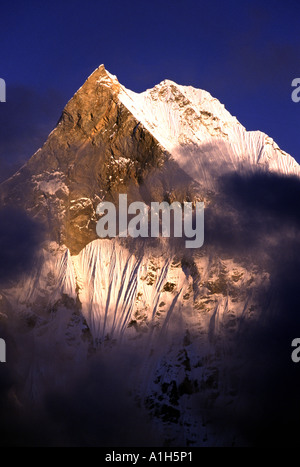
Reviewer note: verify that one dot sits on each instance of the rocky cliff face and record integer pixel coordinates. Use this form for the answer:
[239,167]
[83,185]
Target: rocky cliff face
[97,150]
[175,313]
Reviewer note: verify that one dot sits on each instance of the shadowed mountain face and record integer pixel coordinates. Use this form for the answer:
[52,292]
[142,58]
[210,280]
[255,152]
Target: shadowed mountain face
[97,149]
[169,328]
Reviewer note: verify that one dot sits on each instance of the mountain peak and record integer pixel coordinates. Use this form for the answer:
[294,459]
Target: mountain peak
[166,83]
[100,77]
[104,77]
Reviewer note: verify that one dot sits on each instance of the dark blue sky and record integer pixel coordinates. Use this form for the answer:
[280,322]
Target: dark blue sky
[245,53]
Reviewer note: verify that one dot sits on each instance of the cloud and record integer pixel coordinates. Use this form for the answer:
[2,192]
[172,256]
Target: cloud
[26,119]
[92,409]
[252,211]
[255,216]
[20,238]
[263,224]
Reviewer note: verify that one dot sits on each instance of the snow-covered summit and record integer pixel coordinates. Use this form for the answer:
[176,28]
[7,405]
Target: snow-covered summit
[179,114]
[191,122]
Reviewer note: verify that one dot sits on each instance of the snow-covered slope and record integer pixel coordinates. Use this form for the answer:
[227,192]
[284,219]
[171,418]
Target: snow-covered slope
[194,126]
[174,317]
